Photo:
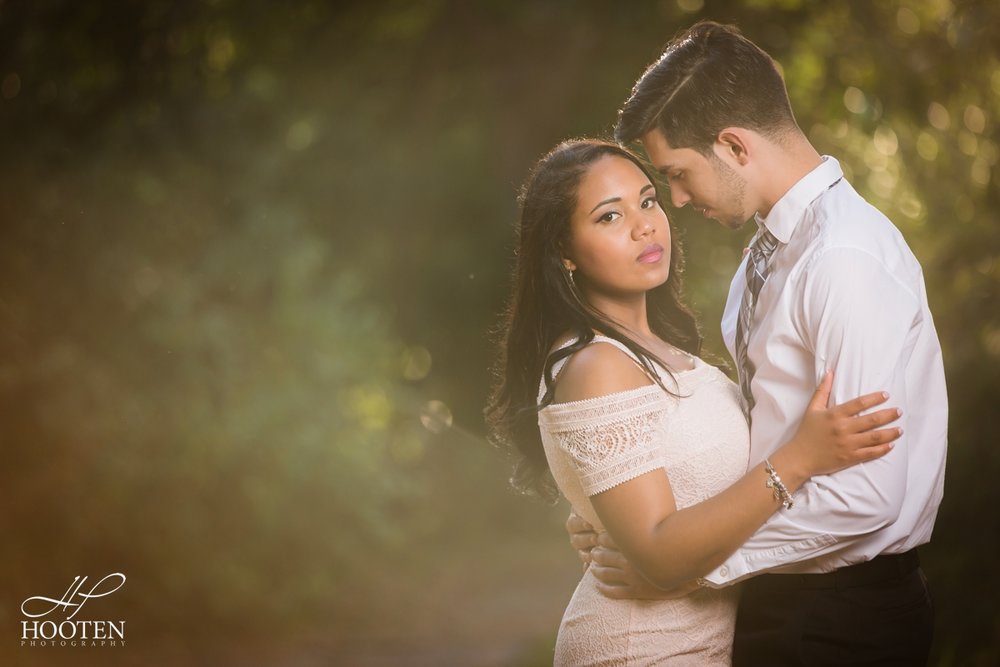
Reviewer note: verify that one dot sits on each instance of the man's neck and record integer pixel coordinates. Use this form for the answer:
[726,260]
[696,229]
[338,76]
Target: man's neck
[786,164]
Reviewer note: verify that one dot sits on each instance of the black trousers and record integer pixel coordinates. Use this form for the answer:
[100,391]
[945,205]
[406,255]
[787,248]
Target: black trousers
[875,613]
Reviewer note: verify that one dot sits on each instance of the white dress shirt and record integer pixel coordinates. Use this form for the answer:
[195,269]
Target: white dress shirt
[846,293]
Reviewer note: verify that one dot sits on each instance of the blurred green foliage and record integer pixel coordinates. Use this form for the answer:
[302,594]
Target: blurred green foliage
[251,254]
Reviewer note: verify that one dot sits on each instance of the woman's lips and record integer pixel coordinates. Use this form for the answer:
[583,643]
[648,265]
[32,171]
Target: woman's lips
[653,253]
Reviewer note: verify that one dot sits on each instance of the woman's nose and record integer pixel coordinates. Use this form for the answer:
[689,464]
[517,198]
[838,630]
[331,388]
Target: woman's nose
[642,228]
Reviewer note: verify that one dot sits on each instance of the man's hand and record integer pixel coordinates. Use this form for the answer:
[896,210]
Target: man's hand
[582,537]
[616,578]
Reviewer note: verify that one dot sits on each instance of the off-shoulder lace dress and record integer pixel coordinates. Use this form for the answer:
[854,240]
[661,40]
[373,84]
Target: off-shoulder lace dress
[701,441]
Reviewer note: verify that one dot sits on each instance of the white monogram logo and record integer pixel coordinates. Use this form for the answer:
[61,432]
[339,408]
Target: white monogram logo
[70,632]
[66,601]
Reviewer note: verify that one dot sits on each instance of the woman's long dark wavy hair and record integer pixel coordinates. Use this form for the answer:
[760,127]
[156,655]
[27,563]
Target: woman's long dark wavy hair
[544,304]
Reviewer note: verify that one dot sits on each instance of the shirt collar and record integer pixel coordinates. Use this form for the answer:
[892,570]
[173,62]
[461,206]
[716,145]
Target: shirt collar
[786,213]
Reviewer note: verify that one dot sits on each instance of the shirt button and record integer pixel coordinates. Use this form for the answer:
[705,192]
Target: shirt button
[724,571]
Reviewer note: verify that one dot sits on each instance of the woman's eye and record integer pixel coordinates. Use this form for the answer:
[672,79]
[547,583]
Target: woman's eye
[649,202]
[610,216]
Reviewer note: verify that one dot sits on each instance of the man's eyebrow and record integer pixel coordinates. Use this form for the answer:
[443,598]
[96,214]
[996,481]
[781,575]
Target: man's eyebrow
[606,201]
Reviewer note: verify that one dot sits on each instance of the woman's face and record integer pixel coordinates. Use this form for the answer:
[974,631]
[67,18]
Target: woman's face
[619,241]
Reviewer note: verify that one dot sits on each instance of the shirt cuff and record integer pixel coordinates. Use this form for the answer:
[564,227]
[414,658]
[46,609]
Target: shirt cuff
[745,563]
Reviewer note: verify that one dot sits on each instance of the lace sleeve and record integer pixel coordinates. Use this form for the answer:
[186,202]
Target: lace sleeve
[610,439]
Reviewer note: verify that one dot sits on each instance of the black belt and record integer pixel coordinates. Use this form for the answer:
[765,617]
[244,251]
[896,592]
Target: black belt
[884,568]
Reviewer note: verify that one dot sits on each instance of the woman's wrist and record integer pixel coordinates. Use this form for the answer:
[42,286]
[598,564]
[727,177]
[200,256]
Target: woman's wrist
[778,488]
[792,470]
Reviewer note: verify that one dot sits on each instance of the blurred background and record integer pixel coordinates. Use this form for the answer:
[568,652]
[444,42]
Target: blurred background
[251,256]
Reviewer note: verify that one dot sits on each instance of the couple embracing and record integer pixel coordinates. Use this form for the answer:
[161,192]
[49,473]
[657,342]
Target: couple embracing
[769,521]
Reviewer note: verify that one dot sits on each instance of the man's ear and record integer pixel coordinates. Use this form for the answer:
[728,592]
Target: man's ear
[733,144]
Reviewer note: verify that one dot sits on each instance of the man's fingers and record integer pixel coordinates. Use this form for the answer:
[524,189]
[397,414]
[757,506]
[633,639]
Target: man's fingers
[604,540]
[576,524]
[608,558]
[583,541]
[586,540]
[611,576]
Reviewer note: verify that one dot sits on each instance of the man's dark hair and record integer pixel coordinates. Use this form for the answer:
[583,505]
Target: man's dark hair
[709,78]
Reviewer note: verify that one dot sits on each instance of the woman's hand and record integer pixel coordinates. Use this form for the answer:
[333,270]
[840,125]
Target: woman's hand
[831,439]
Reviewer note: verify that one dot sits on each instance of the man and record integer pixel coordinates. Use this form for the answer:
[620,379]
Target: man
[828,283]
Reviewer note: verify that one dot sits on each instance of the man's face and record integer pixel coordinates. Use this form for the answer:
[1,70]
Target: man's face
[710,185]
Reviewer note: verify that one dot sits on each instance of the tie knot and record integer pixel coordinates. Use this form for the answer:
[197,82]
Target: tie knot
[764,244]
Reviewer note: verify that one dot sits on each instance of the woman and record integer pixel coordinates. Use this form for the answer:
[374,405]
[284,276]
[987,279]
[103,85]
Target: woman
[601,386]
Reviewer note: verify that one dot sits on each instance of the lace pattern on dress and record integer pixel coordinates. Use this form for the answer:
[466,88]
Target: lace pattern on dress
[610,439]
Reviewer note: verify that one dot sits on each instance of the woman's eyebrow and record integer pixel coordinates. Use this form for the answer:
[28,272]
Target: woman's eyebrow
[606,201]
[614,199]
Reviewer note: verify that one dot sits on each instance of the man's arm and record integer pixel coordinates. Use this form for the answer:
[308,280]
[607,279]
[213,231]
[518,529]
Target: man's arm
[859,321]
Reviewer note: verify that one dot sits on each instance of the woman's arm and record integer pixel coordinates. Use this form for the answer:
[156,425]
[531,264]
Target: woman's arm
[670,547]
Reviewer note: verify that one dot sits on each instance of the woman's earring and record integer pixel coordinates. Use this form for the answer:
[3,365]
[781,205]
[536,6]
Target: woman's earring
[569,271]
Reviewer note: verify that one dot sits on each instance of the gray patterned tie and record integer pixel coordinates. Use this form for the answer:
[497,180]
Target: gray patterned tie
[760,252]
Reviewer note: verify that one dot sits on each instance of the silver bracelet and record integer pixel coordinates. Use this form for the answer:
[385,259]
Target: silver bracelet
[774,482]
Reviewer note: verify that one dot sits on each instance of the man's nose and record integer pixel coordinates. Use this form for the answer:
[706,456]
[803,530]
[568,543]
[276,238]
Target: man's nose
[678,197]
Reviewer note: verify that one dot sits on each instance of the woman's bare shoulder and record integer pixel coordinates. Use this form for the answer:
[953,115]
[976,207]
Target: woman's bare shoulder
[597,370]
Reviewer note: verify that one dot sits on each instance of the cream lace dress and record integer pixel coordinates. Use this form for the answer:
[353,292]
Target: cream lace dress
[702,441]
